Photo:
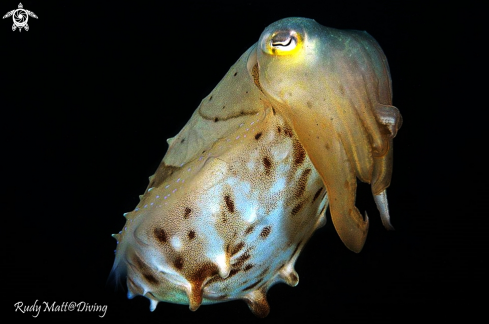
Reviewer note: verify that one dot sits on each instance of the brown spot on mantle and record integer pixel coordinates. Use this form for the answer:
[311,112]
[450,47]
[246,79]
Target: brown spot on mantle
[297,208]
[316,195]
[267,164]
[160,235]
[265,231]
[237,248]
[178,263]
[187,212]
[253,285]
[150,278]
[302,183]
[299,153]
[229,203]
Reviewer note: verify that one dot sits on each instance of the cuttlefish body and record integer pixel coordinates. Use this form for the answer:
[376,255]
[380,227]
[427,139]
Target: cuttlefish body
[296,120]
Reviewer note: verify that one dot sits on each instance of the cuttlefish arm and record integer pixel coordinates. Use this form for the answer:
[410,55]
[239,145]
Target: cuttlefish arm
[334,87]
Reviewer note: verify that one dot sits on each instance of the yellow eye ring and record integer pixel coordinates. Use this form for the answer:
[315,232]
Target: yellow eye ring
[286,42]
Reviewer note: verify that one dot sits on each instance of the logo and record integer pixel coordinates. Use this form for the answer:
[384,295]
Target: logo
[20,17]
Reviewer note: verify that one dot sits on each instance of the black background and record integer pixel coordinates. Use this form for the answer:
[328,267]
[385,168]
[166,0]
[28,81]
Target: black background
[92,91]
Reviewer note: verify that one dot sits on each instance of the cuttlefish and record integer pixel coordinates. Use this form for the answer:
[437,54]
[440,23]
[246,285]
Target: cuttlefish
[303,114]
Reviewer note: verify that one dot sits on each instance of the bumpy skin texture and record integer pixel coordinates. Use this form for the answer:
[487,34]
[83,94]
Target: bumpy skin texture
[304,112]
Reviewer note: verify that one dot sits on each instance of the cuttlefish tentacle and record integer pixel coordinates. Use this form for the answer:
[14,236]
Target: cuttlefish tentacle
[357,125]
[391,119]
[290,128]
[355,137]
[381,177]
[344,118]
[338,173]
[382,120]
[341,185]
[383,207]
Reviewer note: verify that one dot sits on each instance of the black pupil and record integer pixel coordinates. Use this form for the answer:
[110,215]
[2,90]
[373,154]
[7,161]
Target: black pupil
[282,39]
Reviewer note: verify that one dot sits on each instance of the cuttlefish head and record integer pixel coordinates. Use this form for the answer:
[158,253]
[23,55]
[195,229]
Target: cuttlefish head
[241,188]
[334,88]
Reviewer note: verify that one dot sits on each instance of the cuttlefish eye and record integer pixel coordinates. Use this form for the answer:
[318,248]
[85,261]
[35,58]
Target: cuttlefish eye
[282,42]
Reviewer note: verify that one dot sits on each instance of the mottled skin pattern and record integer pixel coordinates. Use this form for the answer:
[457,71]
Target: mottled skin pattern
[246,182]
[267,201]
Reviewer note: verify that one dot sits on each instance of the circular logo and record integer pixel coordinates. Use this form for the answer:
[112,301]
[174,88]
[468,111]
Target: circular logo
[20,17]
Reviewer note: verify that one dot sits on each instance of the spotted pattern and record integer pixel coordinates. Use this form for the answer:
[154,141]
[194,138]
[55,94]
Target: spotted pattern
[236,197]
[268,211]
[160,235]
[229,203]
[187,212]
[188,231]
[234,201]
[178,263]
[265,232]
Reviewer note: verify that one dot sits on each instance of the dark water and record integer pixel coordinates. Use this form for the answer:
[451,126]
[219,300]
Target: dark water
[91,92]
